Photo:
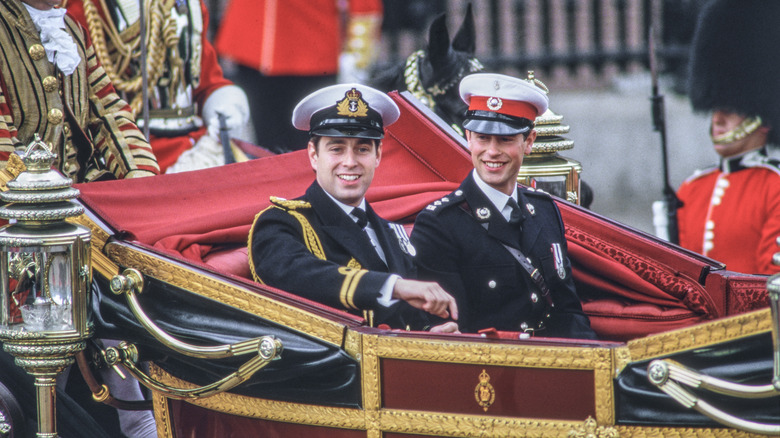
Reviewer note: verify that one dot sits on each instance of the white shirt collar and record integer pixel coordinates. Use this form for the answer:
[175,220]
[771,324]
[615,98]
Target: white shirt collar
[61,50]
[347,208]
[498,198]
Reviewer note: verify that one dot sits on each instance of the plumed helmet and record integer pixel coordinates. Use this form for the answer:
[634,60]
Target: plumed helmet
[735,60]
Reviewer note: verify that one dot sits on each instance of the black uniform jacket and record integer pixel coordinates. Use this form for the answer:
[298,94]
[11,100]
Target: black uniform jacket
[459,241]
[310,247]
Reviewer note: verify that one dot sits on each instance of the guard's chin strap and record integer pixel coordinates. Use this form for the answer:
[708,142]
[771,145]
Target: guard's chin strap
[747,127]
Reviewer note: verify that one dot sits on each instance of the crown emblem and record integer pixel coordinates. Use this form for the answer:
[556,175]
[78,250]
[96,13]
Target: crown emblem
[352,105]
[484,392]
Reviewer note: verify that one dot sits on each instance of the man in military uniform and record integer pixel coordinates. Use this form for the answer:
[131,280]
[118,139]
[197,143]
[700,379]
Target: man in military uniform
[329,245]
[731,212]
[57,89]
[499,248]
[52,85]
[187,89]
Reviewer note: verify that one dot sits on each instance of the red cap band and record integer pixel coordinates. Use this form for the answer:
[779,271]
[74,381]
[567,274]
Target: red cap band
[514,108]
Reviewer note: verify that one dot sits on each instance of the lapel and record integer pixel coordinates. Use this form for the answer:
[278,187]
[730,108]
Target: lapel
[532,225]
[487,215]
[389,241]
[342,230]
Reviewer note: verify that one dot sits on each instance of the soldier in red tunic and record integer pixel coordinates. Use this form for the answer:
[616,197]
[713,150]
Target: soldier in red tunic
[731,212]
[286,49]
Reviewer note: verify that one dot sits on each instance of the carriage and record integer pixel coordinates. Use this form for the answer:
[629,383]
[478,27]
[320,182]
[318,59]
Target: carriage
[686,347]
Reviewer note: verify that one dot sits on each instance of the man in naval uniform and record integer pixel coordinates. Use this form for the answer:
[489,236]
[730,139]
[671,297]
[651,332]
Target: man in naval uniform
[731,211]
[498,247]
[329,245]
[52,85]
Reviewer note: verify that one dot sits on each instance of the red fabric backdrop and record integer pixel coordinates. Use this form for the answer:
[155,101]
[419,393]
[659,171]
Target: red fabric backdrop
[632,284]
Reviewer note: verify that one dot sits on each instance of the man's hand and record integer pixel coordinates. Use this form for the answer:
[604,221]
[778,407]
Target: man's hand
[447,327]
[428,296]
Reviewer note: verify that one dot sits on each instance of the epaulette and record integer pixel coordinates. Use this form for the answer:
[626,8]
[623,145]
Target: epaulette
[455,198]
[289,204]
[770,163]
[700,173]
[530,191]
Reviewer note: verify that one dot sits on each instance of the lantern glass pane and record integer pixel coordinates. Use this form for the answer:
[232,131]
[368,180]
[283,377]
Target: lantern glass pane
[40,288]
[554,185]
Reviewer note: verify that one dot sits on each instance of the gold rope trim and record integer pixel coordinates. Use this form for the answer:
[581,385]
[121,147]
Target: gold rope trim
[249,245]
[115,54]
[310,237]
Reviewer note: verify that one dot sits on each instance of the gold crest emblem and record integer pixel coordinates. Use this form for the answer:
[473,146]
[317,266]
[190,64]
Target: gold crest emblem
[484,393]
[352,105]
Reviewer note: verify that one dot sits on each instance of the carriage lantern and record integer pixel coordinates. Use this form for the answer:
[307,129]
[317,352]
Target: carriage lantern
[44,276]
[544,168]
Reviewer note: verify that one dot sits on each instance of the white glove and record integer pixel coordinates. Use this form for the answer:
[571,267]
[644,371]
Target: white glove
[207,152]
[231,102]
[349,72]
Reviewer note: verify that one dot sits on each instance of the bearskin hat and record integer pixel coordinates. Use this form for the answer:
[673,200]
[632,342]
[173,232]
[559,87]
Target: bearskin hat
[735,60]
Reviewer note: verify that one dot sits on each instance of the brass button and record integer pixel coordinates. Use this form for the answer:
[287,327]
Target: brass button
[50,83]
[55,116]
[37,52]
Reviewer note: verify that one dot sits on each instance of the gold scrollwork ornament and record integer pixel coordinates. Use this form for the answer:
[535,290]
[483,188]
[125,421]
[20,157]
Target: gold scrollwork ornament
[590,429]
[484,392]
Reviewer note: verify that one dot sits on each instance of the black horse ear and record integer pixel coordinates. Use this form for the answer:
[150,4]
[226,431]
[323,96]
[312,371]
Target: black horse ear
[465,39]
[439,41]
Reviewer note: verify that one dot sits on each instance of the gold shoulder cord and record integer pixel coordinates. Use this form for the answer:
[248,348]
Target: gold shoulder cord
[310,237]
[161,35]
[352,272]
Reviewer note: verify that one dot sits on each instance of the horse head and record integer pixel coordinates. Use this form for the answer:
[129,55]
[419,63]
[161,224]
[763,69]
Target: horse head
[434,73]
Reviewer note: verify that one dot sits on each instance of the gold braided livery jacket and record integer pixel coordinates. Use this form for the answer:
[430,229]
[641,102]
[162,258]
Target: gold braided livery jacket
[80,115]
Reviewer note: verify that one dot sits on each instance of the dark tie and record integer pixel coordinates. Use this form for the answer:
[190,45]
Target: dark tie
[362,222]
[362,218]
[516,216]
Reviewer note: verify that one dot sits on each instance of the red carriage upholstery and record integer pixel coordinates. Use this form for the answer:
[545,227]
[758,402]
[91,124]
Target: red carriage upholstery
[631,284]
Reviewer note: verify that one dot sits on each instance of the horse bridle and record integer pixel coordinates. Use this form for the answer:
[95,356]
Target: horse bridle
[427,95]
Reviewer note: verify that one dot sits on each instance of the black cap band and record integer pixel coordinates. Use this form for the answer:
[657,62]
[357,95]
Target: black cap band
[328,123]
[493,123]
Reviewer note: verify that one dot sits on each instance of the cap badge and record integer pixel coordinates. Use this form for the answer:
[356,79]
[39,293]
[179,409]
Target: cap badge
[352,105]
[494,103]
[483,213]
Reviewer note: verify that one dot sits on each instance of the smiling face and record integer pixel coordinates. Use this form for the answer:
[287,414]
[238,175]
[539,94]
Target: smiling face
[345,166]
[43,5]
[497,158]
